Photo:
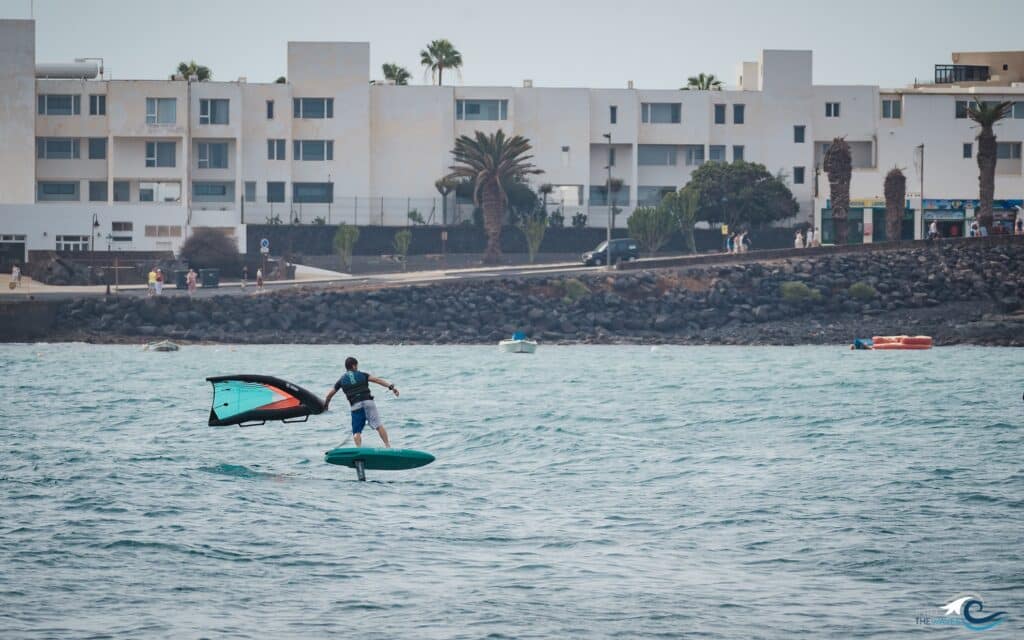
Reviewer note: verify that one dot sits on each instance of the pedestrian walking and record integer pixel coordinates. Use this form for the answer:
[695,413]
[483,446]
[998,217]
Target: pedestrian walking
[798,240]
[159,284]
[245,276]
[15,277]
[811,239]
[151,282]
[190,280]
[259,279]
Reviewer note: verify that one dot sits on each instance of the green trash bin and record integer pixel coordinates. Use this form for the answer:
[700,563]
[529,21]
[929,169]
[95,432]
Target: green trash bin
[209,277]
[181,279]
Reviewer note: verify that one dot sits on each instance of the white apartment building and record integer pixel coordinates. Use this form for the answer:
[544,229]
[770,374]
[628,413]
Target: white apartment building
[87,162]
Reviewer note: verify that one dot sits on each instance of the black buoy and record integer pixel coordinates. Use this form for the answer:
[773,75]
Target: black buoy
[361,470]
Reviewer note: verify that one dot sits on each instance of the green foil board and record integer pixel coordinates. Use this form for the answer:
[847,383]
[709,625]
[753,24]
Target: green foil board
[382,459]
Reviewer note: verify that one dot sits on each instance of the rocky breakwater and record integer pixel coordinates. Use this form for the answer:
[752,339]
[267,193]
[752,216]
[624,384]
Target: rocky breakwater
[958,293]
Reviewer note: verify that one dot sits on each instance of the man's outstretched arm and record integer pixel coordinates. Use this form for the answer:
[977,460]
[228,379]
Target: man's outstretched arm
[384,383]
[327,399]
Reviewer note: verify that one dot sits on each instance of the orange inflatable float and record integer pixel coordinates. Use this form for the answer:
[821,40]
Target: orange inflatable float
[901,342]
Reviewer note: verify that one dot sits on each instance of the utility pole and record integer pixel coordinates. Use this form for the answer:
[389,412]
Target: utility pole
[608,201]
[921,147]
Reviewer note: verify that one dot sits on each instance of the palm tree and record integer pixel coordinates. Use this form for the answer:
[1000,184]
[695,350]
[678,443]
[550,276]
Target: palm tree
[490,162]
[545,190]
[895,199]
[613,186]
[445,186]
[703,82]
[839,166]
[986,115]
[189,69]
[396,74]
[281,80]
[438,56]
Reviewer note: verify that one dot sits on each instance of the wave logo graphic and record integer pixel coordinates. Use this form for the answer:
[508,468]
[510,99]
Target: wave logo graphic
[971,610]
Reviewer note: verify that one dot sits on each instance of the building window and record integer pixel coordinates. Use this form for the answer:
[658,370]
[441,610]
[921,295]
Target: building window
[661,112]
[831,109]
[968,150]
[98,149]
[160,154]
[213,191]
[739,112]
[717,153]
[611,156]
[565,156]
[313,150]
[311,192]
[694,155]
[313,108]
[275,192]
[250,191]
[651,196]
[649,155]
[59,105]
[798,133]
[72,243]
[163,231]
[892,108]
[161,110]
[121,228]
[57,191]
[481,109]
[961,109]
[213,155]
[1008,150]
[97,105]
[613,114]
[57,148]
[719,114]
[98,191]
[599,195]
[1018,110]
[275,149]
[798,175]
[737,152]
[213,111]
[159,192]
[121,191]
[270,109]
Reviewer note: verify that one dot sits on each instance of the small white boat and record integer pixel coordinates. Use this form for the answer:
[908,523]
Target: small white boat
[519,343]
[162,345]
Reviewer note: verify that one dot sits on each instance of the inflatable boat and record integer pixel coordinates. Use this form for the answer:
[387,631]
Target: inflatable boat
[883,343]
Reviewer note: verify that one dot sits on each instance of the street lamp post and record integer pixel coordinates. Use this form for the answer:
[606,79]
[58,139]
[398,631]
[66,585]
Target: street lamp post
[608,201]
[92,233]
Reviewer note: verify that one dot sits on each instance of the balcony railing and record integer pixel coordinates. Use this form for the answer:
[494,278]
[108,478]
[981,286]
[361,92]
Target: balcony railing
[949,73]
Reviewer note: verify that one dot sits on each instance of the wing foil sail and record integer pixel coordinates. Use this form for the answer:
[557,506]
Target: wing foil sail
[248,398]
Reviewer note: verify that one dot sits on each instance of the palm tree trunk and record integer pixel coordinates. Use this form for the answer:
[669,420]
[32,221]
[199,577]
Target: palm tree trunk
[440,73]
[986,176]
[494,212]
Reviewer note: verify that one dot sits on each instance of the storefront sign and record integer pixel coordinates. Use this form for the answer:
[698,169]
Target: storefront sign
[943,215]
[951,204]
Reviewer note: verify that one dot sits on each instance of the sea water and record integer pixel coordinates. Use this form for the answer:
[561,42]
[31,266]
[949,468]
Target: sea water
[800,492]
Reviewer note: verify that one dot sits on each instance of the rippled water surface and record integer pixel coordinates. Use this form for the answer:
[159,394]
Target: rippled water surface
[580,492]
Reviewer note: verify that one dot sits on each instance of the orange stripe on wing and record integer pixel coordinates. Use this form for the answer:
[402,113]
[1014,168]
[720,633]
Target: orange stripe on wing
[287,402]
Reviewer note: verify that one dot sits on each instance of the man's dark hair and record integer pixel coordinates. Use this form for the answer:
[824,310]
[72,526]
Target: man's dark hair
[351,363]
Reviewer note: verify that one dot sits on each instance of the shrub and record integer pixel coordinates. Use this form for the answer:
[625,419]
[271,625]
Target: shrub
[320,220]
[794,290]
[415,217]
[579,220]
[557,218]
[862,291]
[574,290]
[344,241]
[209,248]
[403,238]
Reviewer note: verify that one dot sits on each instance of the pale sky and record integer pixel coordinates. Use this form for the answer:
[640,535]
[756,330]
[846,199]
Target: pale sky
[556,43]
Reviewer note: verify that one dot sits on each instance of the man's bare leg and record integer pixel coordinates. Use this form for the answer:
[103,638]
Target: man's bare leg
[358,439]
[384,436]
